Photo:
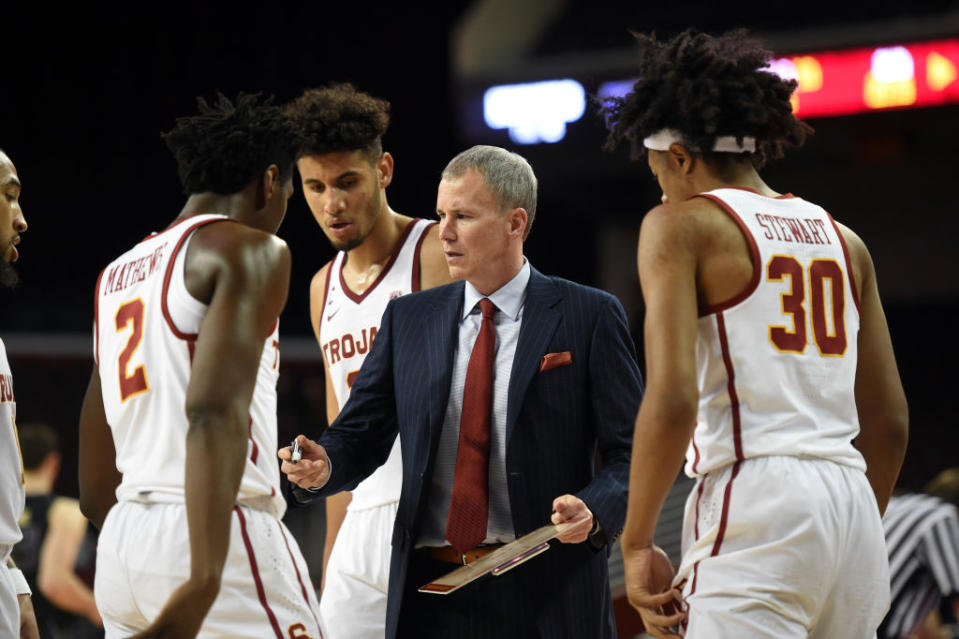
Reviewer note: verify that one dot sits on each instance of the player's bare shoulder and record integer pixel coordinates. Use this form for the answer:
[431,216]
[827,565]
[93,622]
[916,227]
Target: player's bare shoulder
[318,283]
[319,286]
[670,226]
[237,256]
[241,244]
[859,256]
[697,238]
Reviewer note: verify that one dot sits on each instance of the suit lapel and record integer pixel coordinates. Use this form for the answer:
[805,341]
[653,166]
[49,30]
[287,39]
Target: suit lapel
[541,316]
[442,329]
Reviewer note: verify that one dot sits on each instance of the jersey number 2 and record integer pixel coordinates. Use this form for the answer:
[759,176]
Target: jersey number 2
[135,382]
[795,340]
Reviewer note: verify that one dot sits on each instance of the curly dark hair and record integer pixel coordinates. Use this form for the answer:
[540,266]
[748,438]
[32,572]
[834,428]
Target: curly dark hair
[227,144]
[707,86]
[338,117]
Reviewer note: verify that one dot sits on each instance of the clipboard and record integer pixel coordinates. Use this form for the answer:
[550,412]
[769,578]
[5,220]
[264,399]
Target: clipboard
[501,560]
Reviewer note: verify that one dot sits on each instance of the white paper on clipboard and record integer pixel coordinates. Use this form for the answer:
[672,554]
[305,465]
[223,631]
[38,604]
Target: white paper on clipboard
[502,559]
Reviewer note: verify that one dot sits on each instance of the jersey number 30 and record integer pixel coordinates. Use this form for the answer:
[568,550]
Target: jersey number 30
[820,270]
[135,382]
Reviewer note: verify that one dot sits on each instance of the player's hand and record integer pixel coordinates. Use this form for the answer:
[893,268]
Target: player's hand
[28,618]
[312,470]
[567,509]
[183,613]
[649,578]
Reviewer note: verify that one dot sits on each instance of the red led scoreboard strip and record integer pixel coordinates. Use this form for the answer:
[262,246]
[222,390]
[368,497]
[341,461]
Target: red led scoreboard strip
[871,79]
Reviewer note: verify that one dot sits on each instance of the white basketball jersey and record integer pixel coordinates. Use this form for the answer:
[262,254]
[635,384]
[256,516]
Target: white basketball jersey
[11,463]
[146,329]
[777,364]
[347,327]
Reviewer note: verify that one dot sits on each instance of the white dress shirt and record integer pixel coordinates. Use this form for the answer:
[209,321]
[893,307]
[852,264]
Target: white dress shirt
[507,319]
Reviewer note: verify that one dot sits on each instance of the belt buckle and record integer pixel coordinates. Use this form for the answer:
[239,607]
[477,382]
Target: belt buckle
[463,559]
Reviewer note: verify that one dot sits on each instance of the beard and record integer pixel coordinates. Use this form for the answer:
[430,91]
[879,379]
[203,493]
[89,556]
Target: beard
[8,275]
[349,245]
[372,210]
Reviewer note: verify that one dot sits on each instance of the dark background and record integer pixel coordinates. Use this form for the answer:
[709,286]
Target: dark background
[86,90]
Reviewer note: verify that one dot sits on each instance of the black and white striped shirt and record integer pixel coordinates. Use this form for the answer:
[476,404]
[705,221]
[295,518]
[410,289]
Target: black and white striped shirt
[922,538]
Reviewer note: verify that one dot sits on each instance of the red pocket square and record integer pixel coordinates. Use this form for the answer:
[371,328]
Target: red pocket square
[552,360]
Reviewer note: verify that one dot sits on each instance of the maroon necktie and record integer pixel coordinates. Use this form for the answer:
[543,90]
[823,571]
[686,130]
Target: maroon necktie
[469,504]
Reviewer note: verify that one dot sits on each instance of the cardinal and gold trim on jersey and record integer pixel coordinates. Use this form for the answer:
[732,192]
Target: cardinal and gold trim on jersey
[776,364]
[146,328]
[350,320]
[347,327]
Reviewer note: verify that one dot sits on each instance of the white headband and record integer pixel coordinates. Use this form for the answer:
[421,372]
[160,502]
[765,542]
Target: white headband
[660,141]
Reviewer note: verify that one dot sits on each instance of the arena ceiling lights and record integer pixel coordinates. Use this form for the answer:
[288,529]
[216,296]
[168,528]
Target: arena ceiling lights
[534,112]
[831,83]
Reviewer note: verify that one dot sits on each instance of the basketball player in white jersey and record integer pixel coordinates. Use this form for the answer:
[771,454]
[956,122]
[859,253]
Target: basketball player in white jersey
[16,610]
[382,255]
[770,366]
[183,397]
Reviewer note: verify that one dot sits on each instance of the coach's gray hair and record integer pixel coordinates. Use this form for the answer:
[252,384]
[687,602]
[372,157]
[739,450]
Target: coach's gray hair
[508,175]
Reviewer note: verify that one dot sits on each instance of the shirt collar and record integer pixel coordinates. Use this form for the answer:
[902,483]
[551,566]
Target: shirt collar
[508,298]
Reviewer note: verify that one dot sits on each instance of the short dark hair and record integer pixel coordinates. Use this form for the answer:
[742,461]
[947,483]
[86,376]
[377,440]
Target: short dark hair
[228,144]
[36,442]
[338,117]
[707,86]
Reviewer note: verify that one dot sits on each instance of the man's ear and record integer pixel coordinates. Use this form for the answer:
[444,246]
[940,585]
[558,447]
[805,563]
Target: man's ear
[517,220]
[680,157]
[384,169]
[271,182]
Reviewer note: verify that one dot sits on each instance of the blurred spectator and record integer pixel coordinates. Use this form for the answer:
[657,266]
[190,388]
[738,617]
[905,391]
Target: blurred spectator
[54,531]
[922,537]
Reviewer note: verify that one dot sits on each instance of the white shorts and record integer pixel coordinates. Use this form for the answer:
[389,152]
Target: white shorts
[783,547]
[143,554]
[353,605]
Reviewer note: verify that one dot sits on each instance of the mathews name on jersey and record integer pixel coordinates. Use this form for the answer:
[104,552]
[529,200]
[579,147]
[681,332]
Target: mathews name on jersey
[146,328]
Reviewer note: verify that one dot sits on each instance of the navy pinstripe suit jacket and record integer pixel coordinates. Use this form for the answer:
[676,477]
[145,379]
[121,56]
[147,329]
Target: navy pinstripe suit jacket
[558,423]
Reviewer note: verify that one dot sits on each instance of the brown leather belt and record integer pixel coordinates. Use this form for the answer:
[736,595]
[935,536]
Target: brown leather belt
[451,555]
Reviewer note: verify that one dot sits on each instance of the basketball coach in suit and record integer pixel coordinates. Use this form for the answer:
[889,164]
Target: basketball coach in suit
[514,396]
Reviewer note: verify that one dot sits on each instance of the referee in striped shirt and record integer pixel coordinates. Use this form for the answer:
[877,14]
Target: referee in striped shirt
[922,537]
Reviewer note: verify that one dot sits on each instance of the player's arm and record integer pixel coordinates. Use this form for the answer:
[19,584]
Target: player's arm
[245,275]
[98,479]
[335,504]
[318,288]
[28,618]
[880,399]
[434,271]
[56,578]
[667,415]
[29,629]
